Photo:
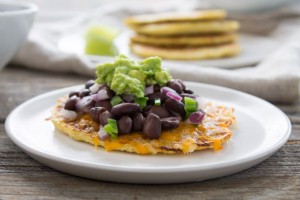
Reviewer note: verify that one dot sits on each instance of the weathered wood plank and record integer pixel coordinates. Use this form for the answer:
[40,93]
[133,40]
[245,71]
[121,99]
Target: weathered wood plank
[290,109]
[15,89]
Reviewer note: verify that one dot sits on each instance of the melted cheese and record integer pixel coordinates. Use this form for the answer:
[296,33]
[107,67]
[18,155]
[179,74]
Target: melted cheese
[186,138]
[217,145]
[185,134]
[96,141]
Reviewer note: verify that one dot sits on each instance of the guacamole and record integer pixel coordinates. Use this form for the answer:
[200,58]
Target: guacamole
[126,76]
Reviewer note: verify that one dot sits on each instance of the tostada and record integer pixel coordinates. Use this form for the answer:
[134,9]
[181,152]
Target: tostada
[137,107]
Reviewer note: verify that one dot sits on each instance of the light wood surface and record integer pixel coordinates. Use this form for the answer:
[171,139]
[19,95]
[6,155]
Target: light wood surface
[21,177]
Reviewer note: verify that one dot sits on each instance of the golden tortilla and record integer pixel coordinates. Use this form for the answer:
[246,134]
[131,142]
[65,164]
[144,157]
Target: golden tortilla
[187,28]
[187,53]
[192,40]
[176,17]
[187,138]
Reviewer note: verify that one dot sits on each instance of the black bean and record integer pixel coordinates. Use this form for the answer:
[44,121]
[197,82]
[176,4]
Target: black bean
[110,93]
[176,106]
[84,93]
[125,109]
[152,126]
[181,83]
[71,103]
[156,95]
[74,93]
[175,85]
[95,113]
[159,111]
[156,88]
[193,96]
[188,91]
[174,114]
[147,109]
[124,124]
[85,104]
[128,98]
[103,118]
[89,83]
[137,122]
[104,103]
[170,123]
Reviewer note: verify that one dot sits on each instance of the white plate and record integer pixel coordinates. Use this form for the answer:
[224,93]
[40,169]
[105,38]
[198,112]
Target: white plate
[253,50]
[260,131]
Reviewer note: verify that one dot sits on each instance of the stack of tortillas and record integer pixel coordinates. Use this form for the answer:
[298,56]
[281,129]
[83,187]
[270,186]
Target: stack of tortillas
[184,36]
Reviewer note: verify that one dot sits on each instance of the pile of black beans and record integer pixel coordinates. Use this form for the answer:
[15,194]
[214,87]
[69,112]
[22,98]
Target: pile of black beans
[150,120]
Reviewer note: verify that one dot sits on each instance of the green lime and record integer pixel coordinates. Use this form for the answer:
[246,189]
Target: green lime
[99,40]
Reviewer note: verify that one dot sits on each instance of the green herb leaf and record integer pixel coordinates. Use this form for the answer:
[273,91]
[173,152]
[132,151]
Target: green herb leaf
[157,102]
[116,100]
[190,106]
[112,128]
[142,101]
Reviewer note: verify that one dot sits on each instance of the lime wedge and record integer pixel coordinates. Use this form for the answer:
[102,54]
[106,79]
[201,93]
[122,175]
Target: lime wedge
[99,40]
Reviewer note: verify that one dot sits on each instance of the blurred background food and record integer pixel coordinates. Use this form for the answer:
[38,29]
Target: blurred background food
[186,35]
[204,34]
[93,27]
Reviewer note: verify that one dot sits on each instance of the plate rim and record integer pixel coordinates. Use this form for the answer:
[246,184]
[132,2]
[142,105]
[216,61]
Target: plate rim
[251,157]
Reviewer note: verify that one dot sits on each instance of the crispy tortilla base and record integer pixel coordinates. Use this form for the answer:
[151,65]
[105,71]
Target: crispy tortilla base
[176,17]
[211,134]
[187,53]
[187,28]
[179,41]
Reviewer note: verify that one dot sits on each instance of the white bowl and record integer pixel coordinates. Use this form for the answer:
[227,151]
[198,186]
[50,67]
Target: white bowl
[16,20]
[240,6]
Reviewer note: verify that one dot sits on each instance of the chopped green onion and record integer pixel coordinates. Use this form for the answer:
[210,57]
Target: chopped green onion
[142,101]
[157,102]
[116,100]
[112,128]
[190,106]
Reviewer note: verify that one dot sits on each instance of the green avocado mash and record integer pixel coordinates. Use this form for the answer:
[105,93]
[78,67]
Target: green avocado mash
[126,76]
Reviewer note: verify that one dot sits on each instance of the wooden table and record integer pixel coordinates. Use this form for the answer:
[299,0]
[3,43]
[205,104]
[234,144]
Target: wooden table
[21,177]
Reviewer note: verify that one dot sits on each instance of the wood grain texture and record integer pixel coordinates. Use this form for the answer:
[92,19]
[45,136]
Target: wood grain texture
[18,85]
[21,177]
